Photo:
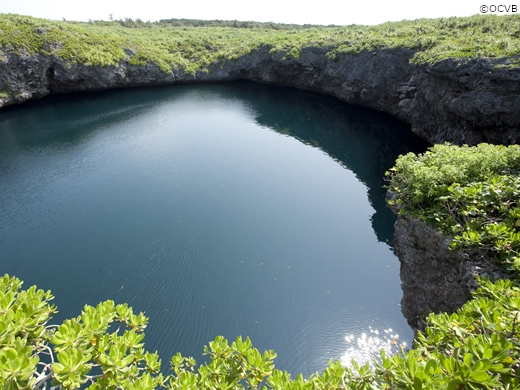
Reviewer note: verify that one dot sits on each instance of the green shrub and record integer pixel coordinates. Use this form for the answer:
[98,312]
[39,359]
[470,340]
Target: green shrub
[477,347]
[469,193]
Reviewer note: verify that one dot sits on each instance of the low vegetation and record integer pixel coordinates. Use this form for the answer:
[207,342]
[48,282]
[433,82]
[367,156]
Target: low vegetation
[468,193]
[102,348]
[225,23]
[193,46]
[463,191]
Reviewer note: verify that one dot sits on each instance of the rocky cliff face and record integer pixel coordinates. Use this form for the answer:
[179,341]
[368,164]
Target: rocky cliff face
[433,277]
[459,101]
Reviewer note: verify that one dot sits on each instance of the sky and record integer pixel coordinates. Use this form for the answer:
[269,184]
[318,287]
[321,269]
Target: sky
[340,12]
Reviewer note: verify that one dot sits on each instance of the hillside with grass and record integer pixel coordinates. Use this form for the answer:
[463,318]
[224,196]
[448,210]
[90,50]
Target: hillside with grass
[193,47]
[451,79]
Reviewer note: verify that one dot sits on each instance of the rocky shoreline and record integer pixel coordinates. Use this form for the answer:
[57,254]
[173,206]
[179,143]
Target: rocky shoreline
[458,101]
[433,277]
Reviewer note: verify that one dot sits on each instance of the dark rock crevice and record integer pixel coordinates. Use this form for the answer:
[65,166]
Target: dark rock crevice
[50,78]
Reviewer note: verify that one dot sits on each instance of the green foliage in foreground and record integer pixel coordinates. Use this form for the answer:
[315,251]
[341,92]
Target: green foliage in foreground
[471,195]
[468,193]
[191,48]
[102,348]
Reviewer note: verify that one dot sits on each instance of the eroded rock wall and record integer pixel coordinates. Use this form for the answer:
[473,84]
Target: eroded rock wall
[458,101]
[435,278]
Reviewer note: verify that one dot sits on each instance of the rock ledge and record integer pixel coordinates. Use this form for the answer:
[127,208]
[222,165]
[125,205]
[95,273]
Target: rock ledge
[459,101]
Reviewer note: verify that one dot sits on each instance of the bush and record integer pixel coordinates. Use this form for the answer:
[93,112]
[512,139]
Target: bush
[469,193]
[476,347]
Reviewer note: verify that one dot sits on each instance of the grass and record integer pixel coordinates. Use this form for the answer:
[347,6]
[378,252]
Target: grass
[193,48]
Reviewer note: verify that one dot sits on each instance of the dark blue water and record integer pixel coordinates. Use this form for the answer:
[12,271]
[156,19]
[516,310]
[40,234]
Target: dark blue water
[234,209]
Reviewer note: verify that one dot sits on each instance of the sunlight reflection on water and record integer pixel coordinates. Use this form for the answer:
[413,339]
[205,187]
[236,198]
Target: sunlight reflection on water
[365,347]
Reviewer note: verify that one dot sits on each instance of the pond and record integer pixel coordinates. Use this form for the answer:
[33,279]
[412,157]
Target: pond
[219,209]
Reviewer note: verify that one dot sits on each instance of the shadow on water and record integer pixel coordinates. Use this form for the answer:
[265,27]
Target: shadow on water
[98,183]
[367,142]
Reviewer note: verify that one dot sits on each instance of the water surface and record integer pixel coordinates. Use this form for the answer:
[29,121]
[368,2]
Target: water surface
[233,209]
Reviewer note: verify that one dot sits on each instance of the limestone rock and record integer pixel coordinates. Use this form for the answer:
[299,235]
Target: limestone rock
[459,101]
[435,278]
